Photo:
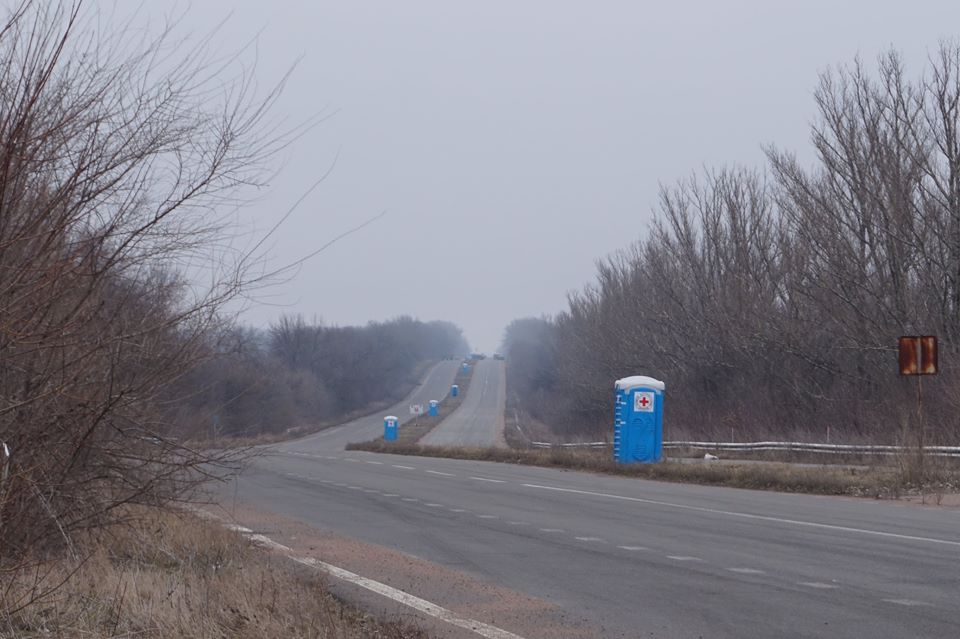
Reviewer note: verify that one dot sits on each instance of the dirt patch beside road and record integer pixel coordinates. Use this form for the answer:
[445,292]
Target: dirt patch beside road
[457,591]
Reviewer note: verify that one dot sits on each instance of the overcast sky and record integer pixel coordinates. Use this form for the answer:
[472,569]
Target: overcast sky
[514,143]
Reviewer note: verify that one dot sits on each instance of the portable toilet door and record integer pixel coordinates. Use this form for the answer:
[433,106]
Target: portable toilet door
[639,403]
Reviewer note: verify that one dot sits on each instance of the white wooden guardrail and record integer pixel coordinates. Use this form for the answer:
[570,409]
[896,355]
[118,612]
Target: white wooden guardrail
[856,449]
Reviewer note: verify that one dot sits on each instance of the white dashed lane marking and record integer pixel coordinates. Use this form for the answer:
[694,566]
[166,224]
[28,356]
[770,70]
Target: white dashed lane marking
[437,472]
[375,462]
[632,548]
[747,571]
[402,466]
[749,516]
[492,481]
[588,538]
[683,558]
[908,602]
[551,530]
[817,584]
[487,516]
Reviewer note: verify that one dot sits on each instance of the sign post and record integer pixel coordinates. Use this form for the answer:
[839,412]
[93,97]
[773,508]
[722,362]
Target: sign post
[919,357]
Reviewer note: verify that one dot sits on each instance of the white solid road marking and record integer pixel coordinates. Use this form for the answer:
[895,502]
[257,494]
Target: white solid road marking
[403,467]
[733,513]
[747,571]
[266,541]
[424,606]
[817,584]
[437,472]
[683,558]
[439,612]
[633,548]
[492,481]
[239,529]
[908,602]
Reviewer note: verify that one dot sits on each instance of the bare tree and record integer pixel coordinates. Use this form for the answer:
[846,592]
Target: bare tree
[119,155]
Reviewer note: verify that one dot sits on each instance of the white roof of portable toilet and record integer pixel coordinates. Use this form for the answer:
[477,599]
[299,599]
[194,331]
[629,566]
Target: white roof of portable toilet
[636,381]
[393,417]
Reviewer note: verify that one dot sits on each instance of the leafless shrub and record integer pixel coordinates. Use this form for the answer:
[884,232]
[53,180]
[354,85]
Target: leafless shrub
[119,152]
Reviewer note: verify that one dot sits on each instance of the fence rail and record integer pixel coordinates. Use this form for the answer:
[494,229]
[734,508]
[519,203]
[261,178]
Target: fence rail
[856,449]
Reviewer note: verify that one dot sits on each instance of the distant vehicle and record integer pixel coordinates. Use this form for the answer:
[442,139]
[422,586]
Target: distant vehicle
[477,356]
[498,356]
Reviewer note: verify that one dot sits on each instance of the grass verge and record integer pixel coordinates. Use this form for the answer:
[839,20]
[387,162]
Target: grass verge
[173,575]
[881,482]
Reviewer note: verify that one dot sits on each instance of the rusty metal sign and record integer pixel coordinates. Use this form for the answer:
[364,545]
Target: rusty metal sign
[918,355]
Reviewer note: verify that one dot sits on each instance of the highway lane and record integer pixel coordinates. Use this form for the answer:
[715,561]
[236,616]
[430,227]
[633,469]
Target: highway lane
[435,386]
[640,558]
[479,419]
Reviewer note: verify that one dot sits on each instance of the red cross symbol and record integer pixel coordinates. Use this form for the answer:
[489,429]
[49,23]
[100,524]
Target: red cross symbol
[644,401]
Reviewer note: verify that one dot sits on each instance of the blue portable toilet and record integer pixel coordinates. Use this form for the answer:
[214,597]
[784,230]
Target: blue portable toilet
[465,367]
[454,390]
[390,424]
[434,408]
[638,420]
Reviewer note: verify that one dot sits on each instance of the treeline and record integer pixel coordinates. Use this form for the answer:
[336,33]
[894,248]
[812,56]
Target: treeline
[298,374]
[770,302]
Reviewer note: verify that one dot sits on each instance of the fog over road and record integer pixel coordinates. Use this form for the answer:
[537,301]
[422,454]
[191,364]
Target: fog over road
[479,419]
[629,557]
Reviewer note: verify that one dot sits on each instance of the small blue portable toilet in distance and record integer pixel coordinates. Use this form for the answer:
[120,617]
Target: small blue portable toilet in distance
[465,367]
[454,390]
[390,424]
[434,408]
[638,420]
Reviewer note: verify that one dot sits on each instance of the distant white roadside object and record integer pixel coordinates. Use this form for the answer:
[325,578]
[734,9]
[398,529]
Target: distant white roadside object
[710,457]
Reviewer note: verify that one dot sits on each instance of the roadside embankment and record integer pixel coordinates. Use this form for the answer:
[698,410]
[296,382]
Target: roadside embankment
[167,574]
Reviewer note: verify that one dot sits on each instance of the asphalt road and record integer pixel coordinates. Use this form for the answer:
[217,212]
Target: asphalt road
[479,419]
[634,558]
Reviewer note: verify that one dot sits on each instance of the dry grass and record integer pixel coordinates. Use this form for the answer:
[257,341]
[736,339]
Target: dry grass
[174,575]
[872,481]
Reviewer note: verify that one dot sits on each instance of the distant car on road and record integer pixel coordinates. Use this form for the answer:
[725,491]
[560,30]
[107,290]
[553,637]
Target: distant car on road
[477,356]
